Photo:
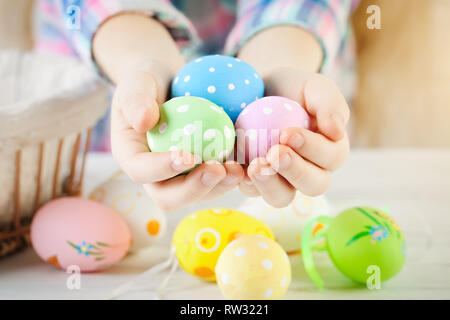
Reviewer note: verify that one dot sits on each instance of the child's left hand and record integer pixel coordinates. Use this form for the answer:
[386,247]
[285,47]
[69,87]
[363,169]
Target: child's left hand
[304,159]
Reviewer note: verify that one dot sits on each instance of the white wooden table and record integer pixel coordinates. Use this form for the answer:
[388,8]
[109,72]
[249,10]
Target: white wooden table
[413,184]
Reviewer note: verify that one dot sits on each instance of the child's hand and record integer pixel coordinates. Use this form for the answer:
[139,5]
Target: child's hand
[135,111]
[139,55]
[305,158]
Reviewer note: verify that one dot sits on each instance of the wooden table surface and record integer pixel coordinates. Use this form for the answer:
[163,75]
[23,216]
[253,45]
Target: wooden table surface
[413,184]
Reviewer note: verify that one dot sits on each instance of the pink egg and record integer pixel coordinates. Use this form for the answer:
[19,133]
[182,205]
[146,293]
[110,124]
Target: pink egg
[259,126]
[75,231]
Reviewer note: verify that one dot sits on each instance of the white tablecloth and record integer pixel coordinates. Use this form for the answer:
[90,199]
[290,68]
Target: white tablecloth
[413,184]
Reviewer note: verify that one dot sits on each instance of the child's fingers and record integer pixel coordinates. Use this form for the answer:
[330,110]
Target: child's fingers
[149,167]
[248,188]
[324,101]
[136,98]
[316,148]
[186,189]
[234,175]
[130,149]
[303,175]
[318,94]
[273,188]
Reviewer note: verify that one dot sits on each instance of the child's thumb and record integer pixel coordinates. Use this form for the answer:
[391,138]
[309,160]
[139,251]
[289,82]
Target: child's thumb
[136,99]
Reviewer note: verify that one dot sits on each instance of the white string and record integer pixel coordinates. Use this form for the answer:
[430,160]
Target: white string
[160,290]
[145,276]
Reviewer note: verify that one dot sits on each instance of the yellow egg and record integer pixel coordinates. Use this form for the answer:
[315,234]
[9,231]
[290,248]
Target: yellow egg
[253,268]
[201,236]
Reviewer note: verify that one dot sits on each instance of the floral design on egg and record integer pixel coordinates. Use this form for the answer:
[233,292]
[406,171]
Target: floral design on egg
[89,249]
[378,232]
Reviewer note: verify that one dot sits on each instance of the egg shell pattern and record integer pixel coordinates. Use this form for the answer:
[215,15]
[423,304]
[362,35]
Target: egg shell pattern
[75,231]
[253,268]
[146,221]
[360,238]
[201,236]
[287,223]
[229,82]
[259,126]
[195,125]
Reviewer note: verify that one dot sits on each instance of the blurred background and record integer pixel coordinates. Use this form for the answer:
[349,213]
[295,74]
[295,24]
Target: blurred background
[402,102]
[403,96]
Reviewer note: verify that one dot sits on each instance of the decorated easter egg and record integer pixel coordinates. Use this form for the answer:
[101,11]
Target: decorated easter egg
[146,221]
[253,268]
[259,125]
[363,243]
[74,231]
[201,236]
[287,223]
[195,125]
[228,82]
[362,237]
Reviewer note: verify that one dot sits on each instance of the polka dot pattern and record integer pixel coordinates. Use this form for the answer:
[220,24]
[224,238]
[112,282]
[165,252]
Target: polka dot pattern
[224,278]
[183,108]
[209,134]
[201,237]
[267,264]
[263,245]
[228,82]
[153,227]
[283,281]
[193,124]
[228,132]
[162,127]
[189,129]
[268,293]
[240,252]
[253,267]
[263,121]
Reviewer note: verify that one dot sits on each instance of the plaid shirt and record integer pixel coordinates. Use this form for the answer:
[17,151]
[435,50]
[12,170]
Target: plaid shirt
[203,27]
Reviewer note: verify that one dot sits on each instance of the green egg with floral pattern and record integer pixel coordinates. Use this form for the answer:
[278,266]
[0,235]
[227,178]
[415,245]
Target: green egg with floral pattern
[362,241]
[365,244]
[195,125]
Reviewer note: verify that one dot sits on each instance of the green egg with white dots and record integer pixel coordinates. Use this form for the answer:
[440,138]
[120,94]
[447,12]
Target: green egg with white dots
[195,125]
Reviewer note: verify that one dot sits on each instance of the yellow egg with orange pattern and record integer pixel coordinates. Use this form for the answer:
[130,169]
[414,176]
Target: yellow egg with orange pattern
[201,236]
[146,221]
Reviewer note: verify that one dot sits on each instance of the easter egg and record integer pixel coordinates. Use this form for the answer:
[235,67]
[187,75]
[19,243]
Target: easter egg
[287,223]
[146,221]
[259,126]
[201,236]
[253,268]
[228,82]
[195,125]
[362,237]
[75,231]
[364,243]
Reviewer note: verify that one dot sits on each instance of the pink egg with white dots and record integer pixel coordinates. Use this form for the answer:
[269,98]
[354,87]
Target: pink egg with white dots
[259,126]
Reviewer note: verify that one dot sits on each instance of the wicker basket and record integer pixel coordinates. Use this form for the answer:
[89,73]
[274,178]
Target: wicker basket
[47,106]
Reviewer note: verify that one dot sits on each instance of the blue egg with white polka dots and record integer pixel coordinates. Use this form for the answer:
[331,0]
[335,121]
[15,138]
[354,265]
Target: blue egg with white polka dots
[227,81]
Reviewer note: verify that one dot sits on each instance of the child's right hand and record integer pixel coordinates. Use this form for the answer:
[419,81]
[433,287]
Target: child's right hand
[139,55]
[135,110]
